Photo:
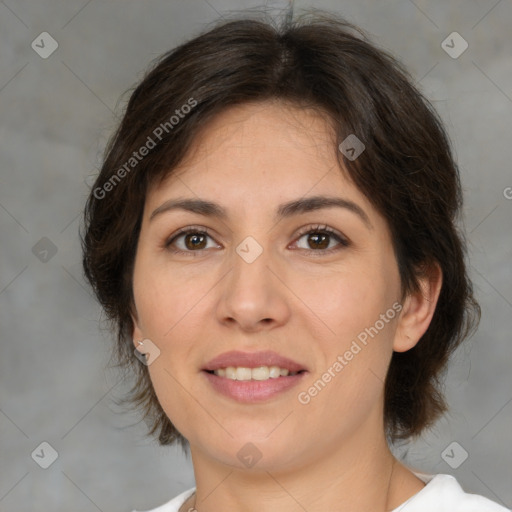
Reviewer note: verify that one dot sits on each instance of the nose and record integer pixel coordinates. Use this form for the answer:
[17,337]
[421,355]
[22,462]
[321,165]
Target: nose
[252,295]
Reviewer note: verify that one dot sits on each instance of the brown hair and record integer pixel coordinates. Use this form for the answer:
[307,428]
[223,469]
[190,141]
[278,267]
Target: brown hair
[407,172]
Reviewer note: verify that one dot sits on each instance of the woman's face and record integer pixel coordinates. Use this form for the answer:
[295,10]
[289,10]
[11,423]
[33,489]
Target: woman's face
[257,281]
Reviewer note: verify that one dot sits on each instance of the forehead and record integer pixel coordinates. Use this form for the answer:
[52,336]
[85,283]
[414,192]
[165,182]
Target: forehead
[260,151]
[275,123]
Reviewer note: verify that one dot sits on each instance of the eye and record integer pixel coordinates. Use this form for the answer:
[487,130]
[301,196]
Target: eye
[189,240]
[319,239]
[194,239]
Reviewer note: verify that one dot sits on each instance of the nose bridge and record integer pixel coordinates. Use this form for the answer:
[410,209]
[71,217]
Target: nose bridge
[250,273]
[251,292]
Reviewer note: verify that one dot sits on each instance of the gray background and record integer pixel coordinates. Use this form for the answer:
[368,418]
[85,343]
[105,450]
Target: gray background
[56,115]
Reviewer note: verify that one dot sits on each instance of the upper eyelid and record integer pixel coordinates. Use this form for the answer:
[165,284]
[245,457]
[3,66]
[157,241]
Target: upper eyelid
[319,227]
[185,231]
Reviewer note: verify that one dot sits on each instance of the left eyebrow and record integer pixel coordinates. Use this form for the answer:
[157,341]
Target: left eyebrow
[295,207]
[312,203]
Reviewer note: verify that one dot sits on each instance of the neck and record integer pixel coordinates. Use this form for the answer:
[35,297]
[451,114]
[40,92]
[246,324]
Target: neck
[359,476]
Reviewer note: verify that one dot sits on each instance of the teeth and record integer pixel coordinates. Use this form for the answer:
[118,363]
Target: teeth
[260,373]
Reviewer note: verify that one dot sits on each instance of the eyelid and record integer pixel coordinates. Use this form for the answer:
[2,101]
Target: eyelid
[191,228]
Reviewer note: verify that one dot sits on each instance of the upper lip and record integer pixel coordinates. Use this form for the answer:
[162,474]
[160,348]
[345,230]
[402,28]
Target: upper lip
[252,360]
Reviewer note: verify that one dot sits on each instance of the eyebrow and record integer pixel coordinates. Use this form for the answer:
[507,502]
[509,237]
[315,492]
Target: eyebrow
[296,207]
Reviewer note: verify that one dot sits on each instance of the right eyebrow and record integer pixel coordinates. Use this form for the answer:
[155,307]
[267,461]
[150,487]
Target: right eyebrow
[200,206]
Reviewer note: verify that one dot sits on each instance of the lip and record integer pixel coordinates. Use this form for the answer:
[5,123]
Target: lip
[253,360]
[252,391]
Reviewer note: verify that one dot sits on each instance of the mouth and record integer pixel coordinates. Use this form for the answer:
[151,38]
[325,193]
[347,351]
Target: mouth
[252,377]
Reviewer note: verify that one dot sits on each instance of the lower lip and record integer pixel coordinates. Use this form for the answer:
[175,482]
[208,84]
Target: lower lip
[251,391]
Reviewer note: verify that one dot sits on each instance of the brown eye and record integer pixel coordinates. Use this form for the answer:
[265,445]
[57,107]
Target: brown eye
[195,241]
[320,239]
[189,241]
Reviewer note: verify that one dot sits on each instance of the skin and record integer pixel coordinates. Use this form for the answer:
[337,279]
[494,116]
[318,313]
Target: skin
[297,298]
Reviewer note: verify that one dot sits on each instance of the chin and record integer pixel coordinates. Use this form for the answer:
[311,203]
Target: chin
[257,453]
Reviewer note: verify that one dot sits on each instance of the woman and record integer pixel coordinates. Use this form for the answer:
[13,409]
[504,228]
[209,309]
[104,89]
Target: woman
[273,233]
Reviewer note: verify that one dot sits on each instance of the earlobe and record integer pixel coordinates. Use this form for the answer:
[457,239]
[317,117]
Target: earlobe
[418,310]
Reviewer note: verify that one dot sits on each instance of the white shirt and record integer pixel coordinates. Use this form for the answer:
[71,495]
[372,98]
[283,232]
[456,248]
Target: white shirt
[442,493]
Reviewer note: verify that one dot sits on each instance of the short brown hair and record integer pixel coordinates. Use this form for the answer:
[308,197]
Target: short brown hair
[407,172]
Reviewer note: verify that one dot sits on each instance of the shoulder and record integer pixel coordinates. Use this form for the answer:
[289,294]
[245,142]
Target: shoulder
[444,494]
[174,504]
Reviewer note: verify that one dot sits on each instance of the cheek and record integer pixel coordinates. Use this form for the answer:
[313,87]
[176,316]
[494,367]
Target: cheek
[165,298]
[173,393]
[168,315]
[169,304]
[346,302]
[355,343]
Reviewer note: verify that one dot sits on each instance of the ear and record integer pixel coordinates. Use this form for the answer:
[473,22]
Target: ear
[418,310]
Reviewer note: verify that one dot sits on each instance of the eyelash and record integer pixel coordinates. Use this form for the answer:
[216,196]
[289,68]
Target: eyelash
[317,229]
